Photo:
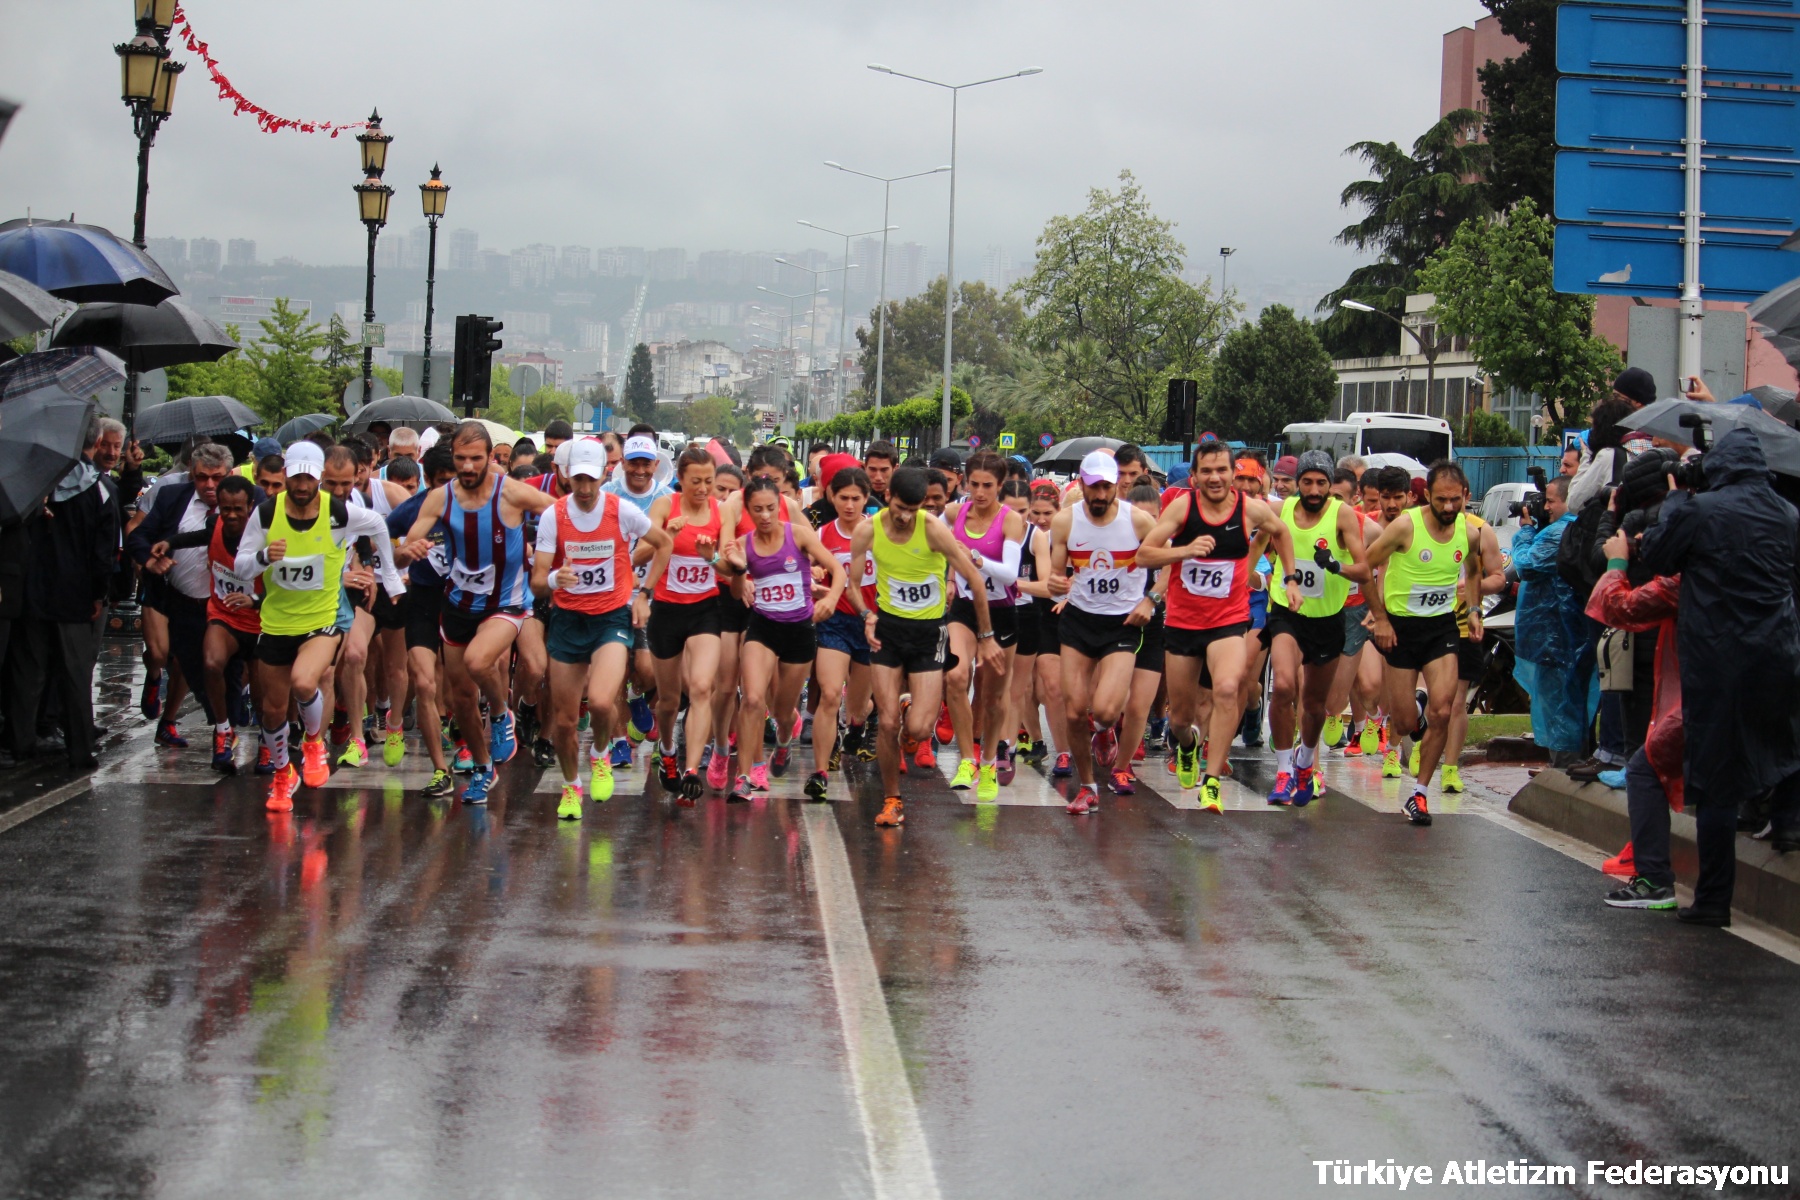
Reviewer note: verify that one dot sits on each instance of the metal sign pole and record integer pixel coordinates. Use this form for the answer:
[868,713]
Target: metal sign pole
[1693,308]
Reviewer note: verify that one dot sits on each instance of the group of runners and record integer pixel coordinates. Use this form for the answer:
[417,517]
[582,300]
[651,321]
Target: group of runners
[713,611]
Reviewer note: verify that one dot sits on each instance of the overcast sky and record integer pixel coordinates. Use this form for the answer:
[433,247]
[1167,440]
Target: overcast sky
[703,123]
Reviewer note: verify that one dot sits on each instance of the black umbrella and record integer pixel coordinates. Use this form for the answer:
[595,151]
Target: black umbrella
[415,411]
[193,416]
[1067,456]
[25,307]
[1780,443]
[146,336]
[82,263]
[42,435]
[302,427]
[1778,403]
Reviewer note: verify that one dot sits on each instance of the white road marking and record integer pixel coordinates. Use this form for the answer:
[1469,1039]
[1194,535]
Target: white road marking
[899,1160]
[45,802]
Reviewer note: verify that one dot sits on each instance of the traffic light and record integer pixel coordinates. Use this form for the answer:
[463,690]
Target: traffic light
[1178,418]
[476,342]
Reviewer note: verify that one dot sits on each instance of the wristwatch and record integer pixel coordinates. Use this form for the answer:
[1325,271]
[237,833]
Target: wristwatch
[1291,578]
[982,637]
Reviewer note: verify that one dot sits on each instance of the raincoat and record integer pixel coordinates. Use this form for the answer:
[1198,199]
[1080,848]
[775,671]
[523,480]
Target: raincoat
[1733,548]
[1554,663]
[1617,605]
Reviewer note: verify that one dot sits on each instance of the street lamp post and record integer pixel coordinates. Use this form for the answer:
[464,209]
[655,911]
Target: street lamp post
[887,195]
[434,196]
[1428,350]
[812,324]
[1225,253]
[790,321]
[844,307]
[147,86]
[955,89]
[372,198]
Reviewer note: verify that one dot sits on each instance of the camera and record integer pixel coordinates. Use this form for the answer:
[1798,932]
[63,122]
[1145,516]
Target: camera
[1533,503]
[1690,473]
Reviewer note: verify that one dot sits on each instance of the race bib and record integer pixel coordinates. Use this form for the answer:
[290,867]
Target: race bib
[782,593]
[1430,600]
[227,584]
[592,563]
[690,576]
[905,596]
[1208,577]
[304,574]
[1310,579]
[438,559]
[476,583]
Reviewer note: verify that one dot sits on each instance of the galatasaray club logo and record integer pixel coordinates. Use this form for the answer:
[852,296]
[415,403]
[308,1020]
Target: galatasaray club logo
[1100,560]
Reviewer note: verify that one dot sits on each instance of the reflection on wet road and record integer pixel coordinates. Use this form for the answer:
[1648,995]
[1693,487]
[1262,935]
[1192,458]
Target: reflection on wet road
[384,995]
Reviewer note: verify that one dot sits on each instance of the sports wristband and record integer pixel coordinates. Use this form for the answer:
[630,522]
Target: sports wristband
[1616,564]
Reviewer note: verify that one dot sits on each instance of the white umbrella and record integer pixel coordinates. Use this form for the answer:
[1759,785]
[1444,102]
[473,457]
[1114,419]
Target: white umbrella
[1413,466]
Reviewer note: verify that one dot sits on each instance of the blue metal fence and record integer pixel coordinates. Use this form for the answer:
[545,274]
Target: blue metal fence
[1488,465]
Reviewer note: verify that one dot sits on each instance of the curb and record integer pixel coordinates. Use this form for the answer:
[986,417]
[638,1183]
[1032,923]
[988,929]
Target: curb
[1768,884]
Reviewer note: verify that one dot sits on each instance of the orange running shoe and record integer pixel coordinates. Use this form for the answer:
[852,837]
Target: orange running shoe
[926,757]
[946,732]
[1623,864]
[314,769]
[893,813]
[281,790]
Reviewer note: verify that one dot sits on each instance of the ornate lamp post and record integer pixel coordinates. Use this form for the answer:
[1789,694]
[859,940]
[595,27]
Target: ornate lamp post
[147,86]
[372,198]
[434,195]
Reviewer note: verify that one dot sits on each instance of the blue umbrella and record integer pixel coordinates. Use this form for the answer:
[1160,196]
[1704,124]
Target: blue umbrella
[82,263]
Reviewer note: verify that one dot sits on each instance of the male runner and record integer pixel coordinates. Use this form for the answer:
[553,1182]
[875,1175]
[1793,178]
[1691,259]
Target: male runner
[1427,553]
[907,634]
[879,461]
[424,597]
[487,597]
[1207,531]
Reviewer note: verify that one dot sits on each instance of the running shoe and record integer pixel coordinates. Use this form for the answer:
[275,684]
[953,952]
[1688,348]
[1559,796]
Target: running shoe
[584,721]
[1412,761]
[620,754]
[1063,767]
[1210,798]
[464,762]
[643,720]
[356,753]
[442,783]
[1353,744]
[1086,800]
[281,790]
[543,752]
[668,771]
[480,783]
[314,769]
[1140,753]
[778,762]
[1187,764]
[759,776]
[1450,778]
[1309,785]
[569,807]
[1390,764]
[265,762]
[168,735]
[742,791]
[1421,699]
[393,750]
[769,732]
[1106,747]
[368,727]
[837,754]
[150,703]
[925,756]
[1283,792]
[692,788]
[1641,893]
[1622,864]
[1333,731]
[946,732]
[1004,765]
[987,783]
[600,782]
[865,748]
[964,779]
[718,770]
[1415,809]
[1169,762]
[503,740]
[1122,783]
[225,751]
[816,785]
[447,740]
[340,727]
[892,814]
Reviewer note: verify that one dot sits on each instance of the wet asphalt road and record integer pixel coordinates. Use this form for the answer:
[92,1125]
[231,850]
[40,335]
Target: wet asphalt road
[380,995]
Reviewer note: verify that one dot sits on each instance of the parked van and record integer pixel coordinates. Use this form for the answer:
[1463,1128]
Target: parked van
[1426,439]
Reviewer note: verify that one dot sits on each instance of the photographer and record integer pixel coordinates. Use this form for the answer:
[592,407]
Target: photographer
[1554,663]
[1733,547]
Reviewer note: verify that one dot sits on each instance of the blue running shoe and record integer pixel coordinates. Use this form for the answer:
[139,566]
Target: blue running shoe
[1308,787]
[620,755]
[1283,794]
[502,745]
[643,721]
[479,784]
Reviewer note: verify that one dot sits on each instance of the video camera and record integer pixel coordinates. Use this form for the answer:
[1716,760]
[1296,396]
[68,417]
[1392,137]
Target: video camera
[1691,473]
[1533,505]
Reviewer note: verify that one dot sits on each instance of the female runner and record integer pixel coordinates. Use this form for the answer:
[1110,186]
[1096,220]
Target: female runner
[843,648]
[994,534]
[684,625]
[1046,502]
[728,483]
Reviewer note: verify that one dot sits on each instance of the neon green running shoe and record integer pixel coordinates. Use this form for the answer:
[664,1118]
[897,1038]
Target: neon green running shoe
[1390,765]
[1210,798]
[988,789]
[569,807]
[1371,739]
[1450,778]
[394,749]
[600,785]
[1332,733]
[965,776]
[356,753]
[1412,761]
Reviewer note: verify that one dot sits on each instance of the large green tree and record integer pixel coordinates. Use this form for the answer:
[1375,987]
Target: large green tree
[985,324]
[1521,106]
[294,381]
[234,376]
[546,405]
[1494,285]
[1111,319]
[1268,375]
[1411,205]
[640,385]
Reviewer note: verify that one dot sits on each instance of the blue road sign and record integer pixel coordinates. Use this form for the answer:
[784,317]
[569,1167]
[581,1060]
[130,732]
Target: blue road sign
[1612,260]
[1649,189]
[1627,114]
[1734,6]
[1651,43]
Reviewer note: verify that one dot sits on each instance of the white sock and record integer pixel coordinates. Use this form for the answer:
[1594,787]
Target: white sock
[223,726]
[312,714]
[1356,728]
[1303,757]
[1284,761]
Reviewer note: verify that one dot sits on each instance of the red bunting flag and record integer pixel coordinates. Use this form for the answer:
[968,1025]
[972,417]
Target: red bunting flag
[268,121]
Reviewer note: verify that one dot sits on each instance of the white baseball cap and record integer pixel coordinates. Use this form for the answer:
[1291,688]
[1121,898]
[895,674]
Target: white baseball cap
[1099,467]
[305,458]
[561,457]
[587,458]
[641,446]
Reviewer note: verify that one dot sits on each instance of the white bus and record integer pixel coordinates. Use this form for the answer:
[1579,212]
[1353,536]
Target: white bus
[1426,439]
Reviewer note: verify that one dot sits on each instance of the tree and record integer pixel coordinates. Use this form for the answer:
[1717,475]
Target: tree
[1521,106]
[1494,286]
[1411,208]
[547,405]
[710,416]
[343,357]
[234,376]
[1483,428]
[294,382]
[1268,376]
[1111,319]
[640,385]
[504,404]
[985,324]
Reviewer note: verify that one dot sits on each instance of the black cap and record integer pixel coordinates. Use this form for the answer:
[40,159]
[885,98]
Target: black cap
[947,459]
[1636,385]
[559,428]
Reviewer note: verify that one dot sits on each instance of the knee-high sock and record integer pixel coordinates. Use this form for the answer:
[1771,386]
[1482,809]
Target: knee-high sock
[312,714]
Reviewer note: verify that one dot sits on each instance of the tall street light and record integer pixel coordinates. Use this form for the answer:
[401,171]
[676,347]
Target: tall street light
[372,198]
[790,317]
[147,86]
[955,90]
[887,183]
[844,308]
[812,324]
[1429,350]
[434,196]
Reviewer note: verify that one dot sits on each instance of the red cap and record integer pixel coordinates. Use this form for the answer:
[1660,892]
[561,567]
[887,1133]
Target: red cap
[831,464]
